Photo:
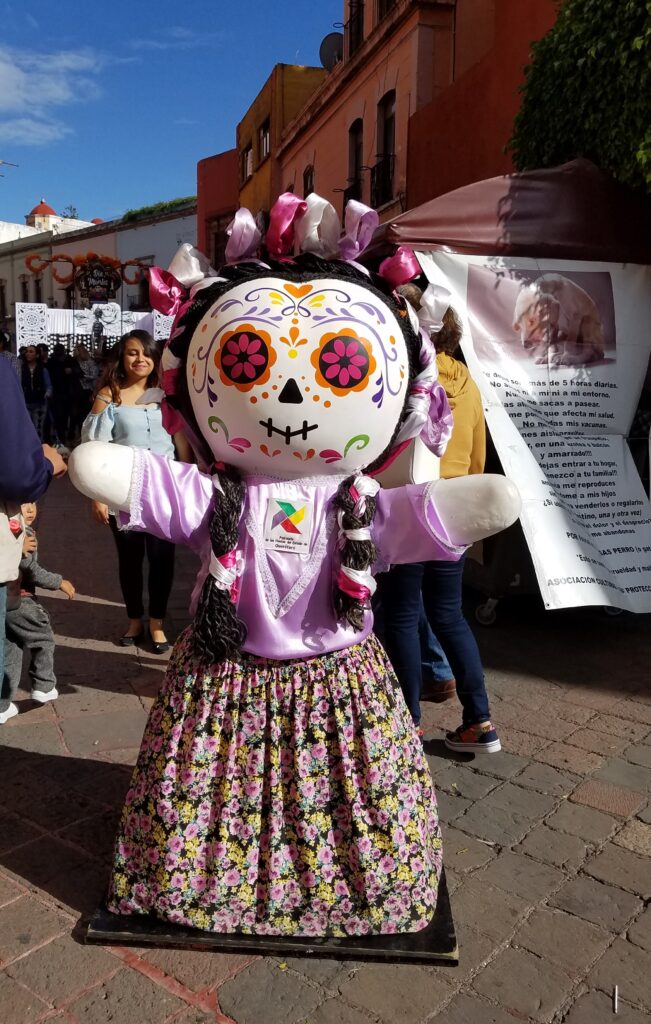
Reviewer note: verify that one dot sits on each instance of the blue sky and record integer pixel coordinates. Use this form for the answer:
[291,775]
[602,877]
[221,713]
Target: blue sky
[110,106]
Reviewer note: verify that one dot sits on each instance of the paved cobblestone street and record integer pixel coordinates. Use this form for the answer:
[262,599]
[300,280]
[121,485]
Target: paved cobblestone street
[547,845]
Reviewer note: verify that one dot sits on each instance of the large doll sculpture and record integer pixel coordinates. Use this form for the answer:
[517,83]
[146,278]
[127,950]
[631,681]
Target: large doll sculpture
[281,787]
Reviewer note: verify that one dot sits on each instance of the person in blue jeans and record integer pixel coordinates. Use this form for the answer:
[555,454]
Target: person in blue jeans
[438,682]
[423,670]
[26,468]
[436,587]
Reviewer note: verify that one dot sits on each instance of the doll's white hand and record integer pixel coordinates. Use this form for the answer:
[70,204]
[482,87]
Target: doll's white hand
[474,507]
[103,472]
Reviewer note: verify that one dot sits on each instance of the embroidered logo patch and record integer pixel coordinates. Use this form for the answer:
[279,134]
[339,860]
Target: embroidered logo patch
[288,525]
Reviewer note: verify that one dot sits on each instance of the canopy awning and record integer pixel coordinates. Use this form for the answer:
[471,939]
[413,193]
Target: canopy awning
[574,211]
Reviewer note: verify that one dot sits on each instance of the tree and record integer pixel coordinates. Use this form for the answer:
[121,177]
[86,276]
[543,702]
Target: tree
[70,212]
[587,91]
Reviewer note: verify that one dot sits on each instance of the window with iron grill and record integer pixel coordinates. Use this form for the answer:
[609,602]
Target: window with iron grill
[383,171]
[308,181]
[246,163]
[355,160]
[264,140]
[384,7]
[354,28]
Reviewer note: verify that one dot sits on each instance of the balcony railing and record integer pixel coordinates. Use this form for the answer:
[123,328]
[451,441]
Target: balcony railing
[354,191]
[382,180]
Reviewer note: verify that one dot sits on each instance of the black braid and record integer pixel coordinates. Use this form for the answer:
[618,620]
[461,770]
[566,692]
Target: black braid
[218,633]
[357,554]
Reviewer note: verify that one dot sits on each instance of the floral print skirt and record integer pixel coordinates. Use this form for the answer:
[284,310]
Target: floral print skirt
[280,798]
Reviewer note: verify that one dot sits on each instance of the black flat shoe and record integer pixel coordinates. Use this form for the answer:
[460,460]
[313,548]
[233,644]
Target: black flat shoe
[160,648]
[131,641]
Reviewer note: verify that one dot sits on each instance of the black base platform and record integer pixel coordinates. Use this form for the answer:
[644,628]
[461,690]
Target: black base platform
[436,944]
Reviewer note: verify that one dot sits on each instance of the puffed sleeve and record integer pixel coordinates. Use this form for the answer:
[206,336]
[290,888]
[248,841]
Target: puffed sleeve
[171,500]
[99,426]
[407,528]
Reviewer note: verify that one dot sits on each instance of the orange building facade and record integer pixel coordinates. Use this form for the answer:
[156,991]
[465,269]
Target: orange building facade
[351,138]
[217,201]
[460,136]
[419,100]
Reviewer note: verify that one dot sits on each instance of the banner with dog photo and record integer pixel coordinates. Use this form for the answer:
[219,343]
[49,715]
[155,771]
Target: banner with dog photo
[560,351]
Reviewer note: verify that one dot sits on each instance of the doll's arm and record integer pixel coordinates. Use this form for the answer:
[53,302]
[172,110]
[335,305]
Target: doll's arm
[439,520]
[170,499]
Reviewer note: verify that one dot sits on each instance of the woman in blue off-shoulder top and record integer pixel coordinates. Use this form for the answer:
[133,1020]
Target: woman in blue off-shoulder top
[127,411]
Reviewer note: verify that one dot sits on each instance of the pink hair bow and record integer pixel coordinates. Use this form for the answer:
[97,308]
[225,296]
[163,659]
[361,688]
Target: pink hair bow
[360,223]
[243,236]
[401,267]
[166,294]
[280,236]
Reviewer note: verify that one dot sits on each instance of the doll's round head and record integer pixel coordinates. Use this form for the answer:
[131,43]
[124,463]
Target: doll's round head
[302,369]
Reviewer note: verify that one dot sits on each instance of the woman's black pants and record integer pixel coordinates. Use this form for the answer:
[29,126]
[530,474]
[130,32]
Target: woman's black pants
[132,547]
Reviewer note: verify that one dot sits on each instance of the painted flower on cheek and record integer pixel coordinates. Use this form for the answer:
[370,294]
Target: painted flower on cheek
[343,362]
[245,357]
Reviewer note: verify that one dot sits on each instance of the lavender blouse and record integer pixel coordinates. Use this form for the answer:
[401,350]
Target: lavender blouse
[285,597]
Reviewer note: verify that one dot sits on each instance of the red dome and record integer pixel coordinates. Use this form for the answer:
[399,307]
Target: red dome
[97,220]
[43,210]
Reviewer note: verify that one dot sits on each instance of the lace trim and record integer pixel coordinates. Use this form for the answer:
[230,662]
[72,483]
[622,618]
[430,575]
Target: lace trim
[280,606]
[445,542]
[311,481]
[135,493]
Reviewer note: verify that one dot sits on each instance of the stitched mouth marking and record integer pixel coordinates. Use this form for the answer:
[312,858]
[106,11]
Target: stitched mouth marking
[287,432]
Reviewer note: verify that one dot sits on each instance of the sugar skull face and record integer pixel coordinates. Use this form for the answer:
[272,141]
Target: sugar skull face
[298,379]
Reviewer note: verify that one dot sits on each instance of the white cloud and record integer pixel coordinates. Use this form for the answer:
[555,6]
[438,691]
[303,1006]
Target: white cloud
[177,37]
[30,131]
[32,83]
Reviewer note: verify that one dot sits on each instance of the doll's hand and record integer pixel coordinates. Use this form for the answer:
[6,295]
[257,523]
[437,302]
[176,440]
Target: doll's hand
[473,507]
[29,544]
[100,513]
[68,589]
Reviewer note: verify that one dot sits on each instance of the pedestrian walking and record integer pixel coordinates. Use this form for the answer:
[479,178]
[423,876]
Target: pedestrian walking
[127,411]
[86,372]
[37,386]
[436,586]
[7,354]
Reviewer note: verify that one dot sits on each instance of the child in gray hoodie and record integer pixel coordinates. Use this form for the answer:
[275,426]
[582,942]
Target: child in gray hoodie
[28,624]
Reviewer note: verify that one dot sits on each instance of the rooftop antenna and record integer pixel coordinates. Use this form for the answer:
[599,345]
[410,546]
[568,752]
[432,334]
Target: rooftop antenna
[7,164]
[331,50]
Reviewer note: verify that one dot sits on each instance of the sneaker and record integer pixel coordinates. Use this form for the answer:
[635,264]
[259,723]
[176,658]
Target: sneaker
[43,696]
[473,739]
[11,712]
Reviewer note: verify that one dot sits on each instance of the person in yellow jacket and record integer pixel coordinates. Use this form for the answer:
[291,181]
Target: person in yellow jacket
[437,586]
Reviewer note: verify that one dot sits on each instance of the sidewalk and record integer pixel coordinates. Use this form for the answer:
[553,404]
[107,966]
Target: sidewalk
[547,845]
